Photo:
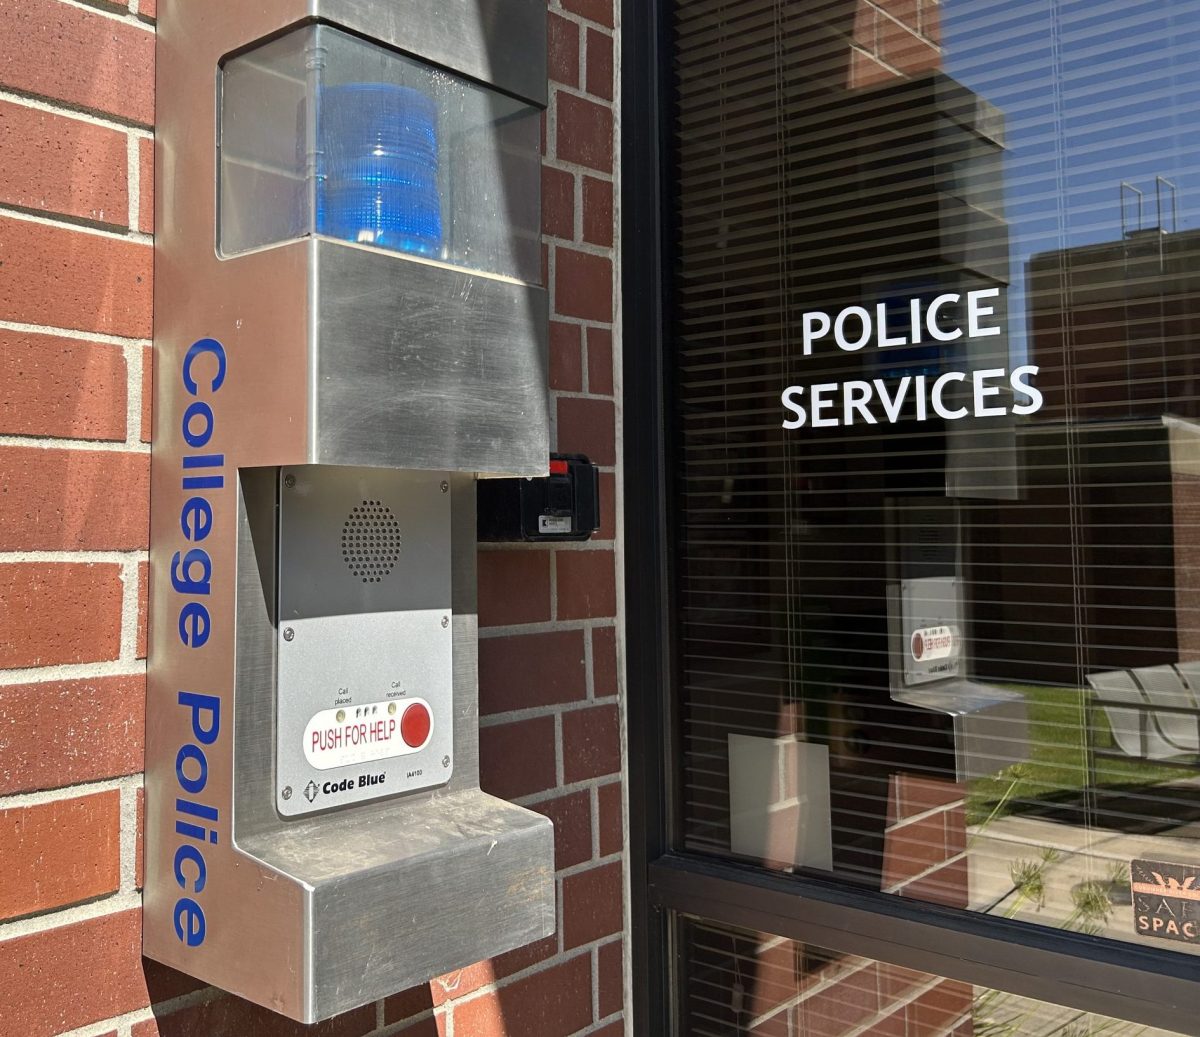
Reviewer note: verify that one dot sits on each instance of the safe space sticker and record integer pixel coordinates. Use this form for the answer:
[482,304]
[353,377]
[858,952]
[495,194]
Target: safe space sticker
[1166,900]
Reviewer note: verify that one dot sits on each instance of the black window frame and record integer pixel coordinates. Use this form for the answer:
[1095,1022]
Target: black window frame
[1139,984]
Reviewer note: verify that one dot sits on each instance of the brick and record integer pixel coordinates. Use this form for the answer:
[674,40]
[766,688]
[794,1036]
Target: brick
[552,1003]
[931,20]
[600,361]
[910,795]
[572,817]
[146,185]
[70,54]
[69,977]
[518,759]
[59,853]
[558,203]
[432,1027]
[867,71]
[587,586]
[53,613]
[611,972]
[148,8]
[949,886]
[562,49]
[232,1015]
[69,732]
[903,10]
[583,285]
[844,1006]
[147,393]
[778,1025]
[61,388]
[407,1003]
[895,981]
[139,851]
[592,905]
[585,133]
[775,975]
[514,587]
[73,500]
[600,64]
[523,958]
[143,606]
[52,163]
[588,427]
[461,982]
[914,848]
[936,1010]
[68,278]
[597,10]
[608,507]
[611,820]
[598,211]
[566,357]
[866,26]
[905,50]
[591,743]
[604,662]
[530,671]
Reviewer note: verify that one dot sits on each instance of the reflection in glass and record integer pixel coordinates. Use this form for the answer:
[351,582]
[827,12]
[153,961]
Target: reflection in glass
[325,133]
[736,982]
[938,450]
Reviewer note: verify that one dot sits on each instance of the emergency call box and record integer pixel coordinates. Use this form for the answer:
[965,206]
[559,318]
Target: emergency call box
[364,692]
[350,332]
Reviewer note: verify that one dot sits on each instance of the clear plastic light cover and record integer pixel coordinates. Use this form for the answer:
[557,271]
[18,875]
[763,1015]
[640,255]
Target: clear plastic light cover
[324,133]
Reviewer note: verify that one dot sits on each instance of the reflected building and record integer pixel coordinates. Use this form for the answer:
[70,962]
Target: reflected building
[1113,328]
[883,184]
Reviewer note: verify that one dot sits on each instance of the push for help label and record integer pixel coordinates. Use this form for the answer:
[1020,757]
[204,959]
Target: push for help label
[366,733]
[932,643]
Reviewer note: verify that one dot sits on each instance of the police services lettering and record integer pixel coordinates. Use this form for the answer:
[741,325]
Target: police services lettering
[951,395]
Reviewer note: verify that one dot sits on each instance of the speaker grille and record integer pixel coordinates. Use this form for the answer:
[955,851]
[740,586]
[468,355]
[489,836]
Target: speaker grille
[371,541]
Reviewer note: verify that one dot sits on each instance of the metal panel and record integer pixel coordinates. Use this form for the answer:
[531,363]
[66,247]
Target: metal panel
[365,670]
[394,524]
[402,894]
[404,379]
[500,42]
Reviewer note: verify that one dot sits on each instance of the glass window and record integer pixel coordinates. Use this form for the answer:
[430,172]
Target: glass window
[936,363]
[738,982]
[325,133]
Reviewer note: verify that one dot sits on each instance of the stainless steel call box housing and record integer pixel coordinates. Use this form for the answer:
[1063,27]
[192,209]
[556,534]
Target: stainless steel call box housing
[350,329]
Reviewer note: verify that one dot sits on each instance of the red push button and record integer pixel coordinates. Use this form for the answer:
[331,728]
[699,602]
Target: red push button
[415,725]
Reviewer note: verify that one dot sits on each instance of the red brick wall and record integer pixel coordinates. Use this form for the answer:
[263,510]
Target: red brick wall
[76,182]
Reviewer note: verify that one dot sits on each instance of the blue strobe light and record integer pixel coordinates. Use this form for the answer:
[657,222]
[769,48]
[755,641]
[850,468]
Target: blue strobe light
[378,173]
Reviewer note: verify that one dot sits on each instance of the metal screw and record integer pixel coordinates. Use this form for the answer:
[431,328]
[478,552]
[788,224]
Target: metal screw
[445,761]
[288,633]
[445,622]
[287,792]
[289,481]
[445,487]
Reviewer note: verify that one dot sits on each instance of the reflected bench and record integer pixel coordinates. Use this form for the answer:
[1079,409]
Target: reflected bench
[1153,711]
